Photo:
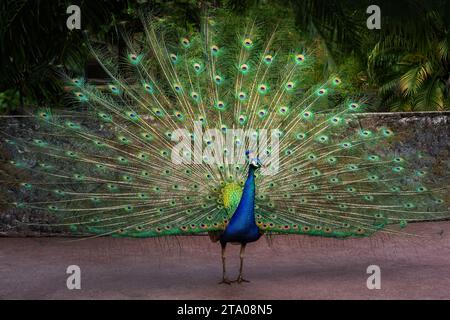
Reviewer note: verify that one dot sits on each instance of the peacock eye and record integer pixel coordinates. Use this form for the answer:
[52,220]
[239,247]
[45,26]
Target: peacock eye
[244,67]
[248,42]
[185,42]
[197,66]
[299,57]
[214,49]
[268,58]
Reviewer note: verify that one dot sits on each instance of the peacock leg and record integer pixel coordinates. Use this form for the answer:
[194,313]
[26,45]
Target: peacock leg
[224,278]
[241,256]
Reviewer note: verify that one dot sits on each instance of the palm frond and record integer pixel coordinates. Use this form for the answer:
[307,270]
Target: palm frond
[432,96]
[411,82]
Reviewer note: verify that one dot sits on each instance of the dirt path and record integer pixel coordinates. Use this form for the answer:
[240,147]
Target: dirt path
[294,267]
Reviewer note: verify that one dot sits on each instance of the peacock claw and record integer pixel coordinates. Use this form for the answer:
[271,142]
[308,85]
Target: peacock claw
[225,281]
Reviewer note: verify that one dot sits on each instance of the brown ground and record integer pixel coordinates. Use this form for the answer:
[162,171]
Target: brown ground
[294,267]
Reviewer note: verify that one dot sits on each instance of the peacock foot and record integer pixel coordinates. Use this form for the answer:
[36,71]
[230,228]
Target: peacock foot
[225,281]
[240,280]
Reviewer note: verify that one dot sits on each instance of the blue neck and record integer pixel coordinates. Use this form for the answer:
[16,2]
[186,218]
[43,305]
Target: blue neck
[245,212]
[242,227]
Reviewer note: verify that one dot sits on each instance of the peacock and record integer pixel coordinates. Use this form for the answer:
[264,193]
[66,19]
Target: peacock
[225,131]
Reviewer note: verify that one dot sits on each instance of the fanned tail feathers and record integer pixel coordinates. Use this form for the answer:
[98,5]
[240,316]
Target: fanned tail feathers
[106,166]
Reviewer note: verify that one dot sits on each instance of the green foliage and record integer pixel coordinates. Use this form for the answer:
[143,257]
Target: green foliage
[8,100]
[35,44]
[407,61]
[402,67]
[412,68]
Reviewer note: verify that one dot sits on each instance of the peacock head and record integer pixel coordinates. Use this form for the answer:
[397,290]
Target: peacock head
[254,161]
